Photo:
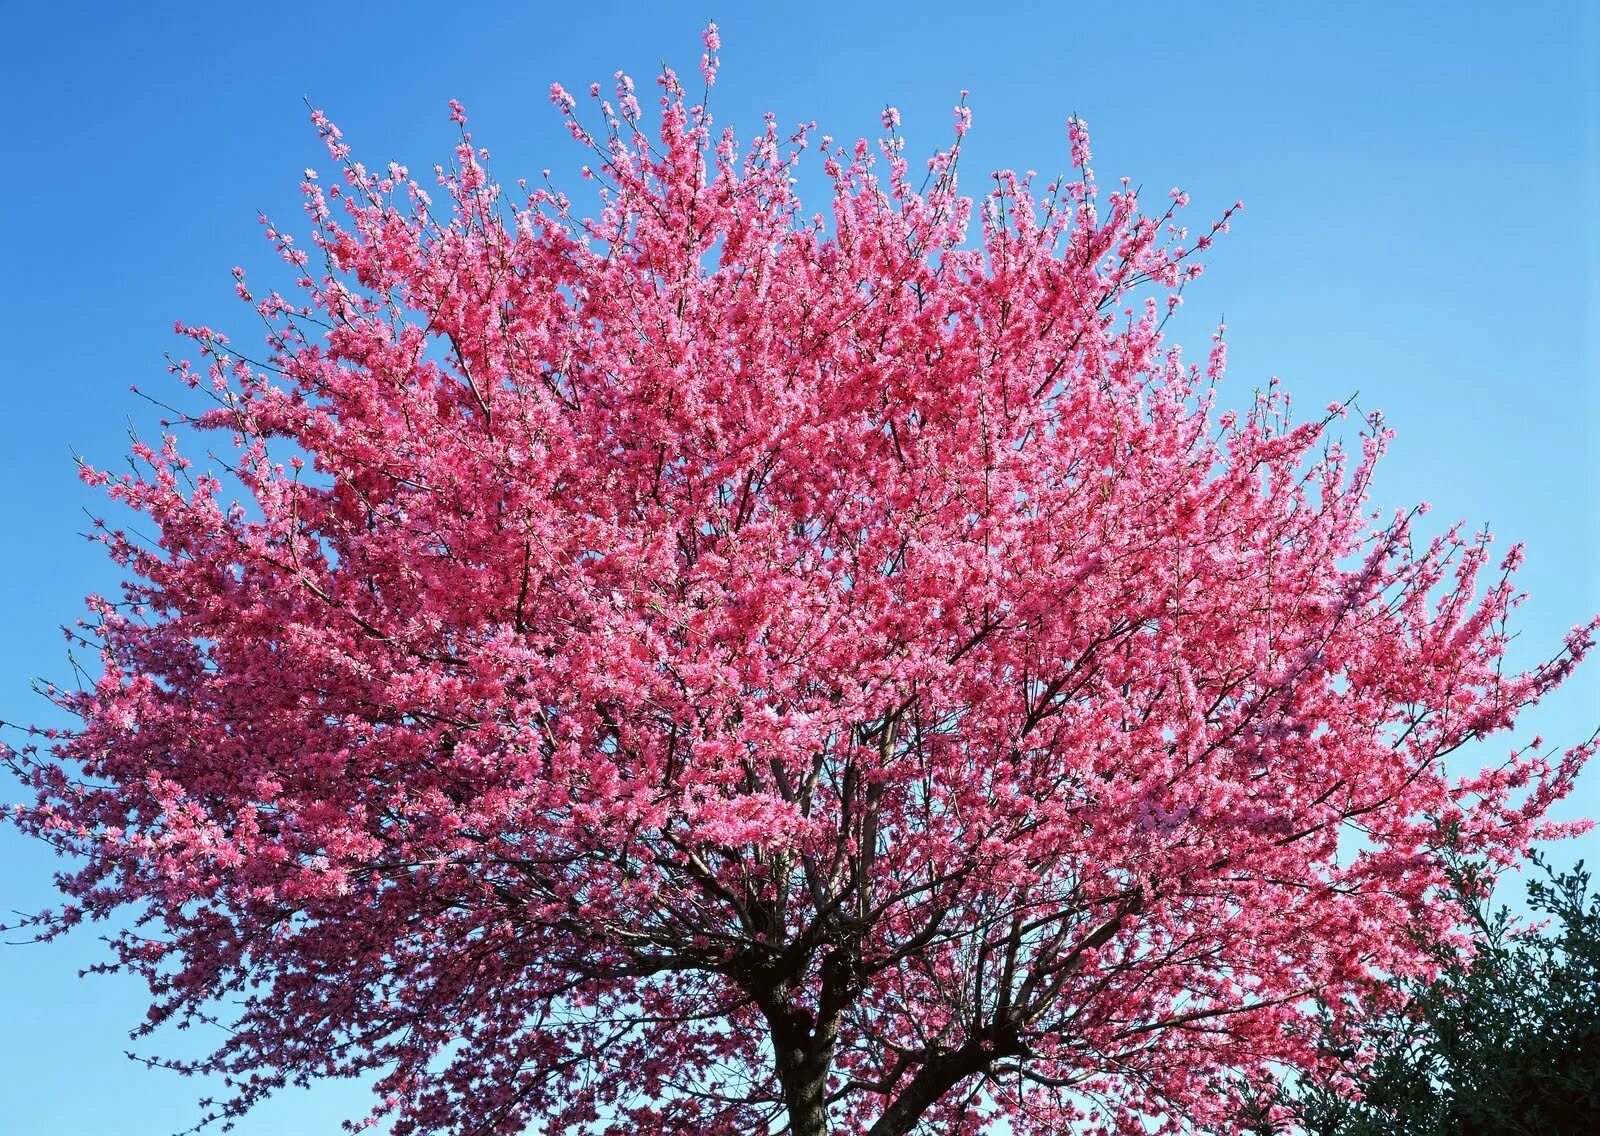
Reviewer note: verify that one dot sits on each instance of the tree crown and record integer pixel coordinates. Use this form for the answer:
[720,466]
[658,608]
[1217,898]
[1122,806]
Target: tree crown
[704,666]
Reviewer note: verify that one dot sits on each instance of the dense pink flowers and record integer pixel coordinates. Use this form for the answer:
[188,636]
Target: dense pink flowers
[706,662]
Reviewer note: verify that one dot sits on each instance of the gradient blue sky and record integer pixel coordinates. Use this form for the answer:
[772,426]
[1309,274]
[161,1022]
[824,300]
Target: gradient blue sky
[1420,183]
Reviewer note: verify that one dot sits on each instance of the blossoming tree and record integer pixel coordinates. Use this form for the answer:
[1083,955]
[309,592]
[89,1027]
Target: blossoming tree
[704,667]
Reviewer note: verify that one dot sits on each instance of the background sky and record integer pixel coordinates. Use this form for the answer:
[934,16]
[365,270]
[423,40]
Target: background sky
[1420,183]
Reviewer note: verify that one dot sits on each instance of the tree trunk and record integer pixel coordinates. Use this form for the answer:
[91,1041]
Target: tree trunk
[804,1056]
[803,1043]
[805,1096]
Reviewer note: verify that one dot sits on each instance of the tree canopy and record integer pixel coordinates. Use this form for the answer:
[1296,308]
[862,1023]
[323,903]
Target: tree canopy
[702,665]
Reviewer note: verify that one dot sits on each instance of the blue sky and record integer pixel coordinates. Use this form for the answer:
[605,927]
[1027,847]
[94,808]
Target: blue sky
[1421,185]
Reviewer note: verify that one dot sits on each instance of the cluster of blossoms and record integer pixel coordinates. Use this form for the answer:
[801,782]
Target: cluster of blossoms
[708,667]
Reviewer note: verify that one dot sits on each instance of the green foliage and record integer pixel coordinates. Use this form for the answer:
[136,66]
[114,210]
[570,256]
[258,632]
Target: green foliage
[1504,1041]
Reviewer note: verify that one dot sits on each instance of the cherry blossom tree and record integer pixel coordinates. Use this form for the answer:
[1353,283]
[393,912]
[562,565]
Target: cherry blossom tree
[700,666]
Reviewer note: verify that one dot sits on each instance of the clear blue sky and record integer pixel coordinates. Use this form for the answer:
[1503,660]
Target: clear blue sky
[1421,226]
